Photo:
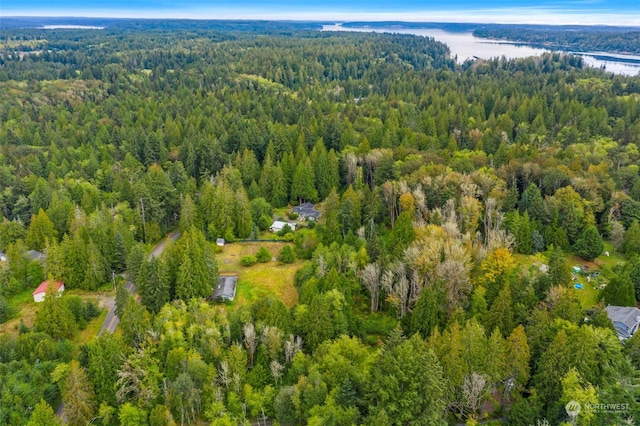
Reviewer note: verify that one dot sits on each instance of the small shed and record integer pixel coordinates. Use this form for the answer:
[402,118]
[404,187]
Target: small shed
[3,257]
[226,288]
[220,242]
[278,225]
[307,211]
[40,292]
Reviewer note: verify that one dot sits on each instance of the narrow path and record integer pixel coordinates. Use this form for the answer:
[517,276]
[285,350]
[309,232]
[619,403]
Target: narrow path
[112,320]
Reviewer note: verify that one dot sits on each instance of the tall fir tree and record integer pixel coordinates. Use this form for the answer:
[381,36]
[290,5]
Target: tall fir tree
[303,184]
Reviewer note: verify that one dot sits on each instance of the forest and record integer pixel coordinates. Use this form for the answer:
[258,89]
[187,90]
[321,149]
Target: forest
[614,40]
[460,206]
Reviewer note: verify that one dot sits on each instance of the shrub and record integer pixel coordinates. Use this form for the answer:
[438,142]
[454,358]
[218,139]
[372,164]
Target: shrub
[288,237]
[371,340]
[248,260]
[264,222]
[91,310]
[263,255]
[287,255]
[293,215]
[286,229]
[6,311]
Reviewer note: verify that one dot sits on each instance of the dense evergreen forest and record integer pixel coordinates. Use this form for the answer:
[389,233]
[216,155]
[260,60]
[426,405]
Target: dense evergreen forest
[435,289]
[579,39]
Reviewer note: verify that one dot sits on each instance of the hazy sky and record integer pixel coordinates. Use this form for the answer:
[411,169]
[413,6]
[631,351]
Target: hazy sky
[612,12]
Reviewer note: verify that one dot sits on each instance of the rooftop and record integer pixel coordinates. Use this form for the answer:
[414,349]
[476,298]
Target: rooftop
[226,288]
[35,255]
[278,224]
[42,288]
[626,319]
[307,210]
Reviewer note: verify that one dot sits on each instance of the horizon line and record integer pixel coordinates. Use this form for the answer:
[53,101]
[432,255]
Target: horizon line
[327,21]
[503,16]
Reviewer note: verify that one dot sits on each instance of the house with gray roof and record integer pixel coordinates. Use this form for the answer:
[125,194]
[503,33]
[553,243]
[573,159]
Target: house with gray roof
[226,289]
[307,211]
[625,319]
[35,255]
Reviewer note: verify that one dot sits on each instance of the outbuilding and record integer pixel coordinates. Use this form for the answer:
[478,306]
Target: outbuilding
[40,292]
[278,225]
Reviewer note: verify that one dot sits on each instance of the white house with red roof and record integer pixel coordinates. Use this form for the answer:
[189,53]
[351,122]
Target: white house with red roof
[40,292]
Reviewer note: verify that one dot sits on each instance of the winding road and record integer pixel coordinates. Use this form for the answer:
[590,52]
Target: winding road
[112,320]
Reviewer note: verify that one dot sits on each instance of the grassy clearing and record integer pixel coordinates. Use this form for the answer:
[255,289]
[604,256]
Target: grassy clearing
[589,295]
[261,279]
[26,308]
[590,292]
[86,335]
[26,311]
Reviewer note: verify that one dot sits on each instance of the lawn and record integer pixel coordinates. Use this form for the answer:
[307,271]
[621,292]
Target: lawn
[86,335]
[260,279]
[26,310]
[588,295]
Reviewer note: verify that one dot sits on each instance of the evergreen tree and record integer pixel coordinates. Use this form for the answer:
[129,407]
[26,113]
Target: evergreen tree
[10,232]
[197,272]
[54,317]
[242,215]
[559,268]
[532,202]
[135,322]
[589,245]
[60,212]
[188,214]
[320,161]
[631,242]
[500,314]
[350,211]
[106,353]
[43,415]
[521,228]
[518,357]
[40,231]
[135,258]
[407,384]
[332,230]
[78,396]
[425,317]
[620,291]
[401,235]
[303,184]
[479,304]
[153,284]
[333,171]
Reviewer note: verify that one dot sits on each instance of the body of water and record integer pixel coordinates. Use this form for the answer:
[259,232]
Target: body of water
[464,45]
